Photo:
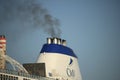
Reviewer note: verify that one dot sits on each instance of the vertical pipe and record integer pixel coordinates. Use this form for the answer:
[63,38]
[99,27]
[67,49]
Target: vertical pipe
[64,42]
[59,41]
[2,51]
[49,40]
[55,40]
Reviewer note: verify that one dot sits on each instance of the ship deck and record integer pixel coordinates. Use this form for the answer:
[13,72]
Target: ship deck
[15,75]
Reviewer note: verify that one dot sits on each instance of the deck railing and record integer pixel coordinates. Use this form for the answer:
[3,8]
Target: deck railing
[18,73]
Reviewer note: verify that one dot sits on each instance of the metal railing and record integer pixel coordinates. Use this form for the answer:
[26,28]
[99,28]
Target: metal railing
[22,74]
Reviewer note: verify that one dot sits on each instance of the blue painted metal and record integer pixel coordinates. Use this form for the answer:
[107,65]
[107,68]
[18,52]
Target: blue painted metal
[55,48]
[71,61]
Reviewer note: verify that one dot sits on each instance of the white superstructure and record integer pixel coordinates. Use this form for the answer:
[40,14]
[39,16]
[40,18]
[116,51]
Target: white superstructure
[61,62]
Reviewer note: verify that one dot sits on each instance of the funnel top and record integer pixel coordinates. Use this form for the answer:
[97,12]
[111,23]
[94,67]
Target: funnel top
[55,48]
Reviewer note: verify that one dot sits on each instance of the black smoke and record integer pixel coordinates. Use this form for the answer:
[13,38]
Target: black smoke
[28,14]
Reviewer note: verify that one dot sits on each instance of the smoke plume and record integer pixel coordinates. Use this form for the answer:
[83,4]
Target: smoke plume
[29,12]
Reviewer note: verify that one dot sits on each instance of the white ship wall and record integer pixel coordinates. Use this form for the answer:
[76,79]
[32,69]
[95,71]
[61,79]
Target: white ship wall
[60,65]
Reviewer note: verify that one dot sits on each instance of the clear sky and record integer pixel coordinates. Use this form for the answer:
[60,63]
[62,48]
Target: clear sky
[91,28]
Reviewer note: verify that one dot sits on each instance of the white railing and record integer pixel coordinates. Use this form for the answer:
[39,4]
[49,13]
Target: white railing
[22,74]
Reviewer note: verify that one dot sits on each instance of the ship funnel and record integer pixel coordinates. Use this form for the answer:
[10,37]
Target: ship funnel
[60,61]
[2,51]
[3,42]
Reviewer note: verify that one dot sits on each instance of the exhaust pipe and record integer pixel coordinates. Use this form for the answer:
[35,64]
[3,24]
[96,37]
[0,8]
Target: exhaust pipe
[49,40]
[64,42]
[55,40]
[3,42]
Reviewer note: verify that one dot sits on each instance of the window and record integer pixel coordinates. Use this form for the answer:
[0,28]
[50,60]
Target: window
[7,77]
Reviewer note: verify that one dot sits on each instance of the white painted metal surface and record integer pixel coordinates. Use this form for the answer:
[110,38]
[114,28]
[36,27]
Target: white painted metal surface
[60,65]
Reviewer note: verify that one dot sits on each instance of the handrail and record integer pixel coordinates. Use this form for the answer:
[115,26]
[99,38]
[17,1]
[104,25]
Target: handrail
[12,72]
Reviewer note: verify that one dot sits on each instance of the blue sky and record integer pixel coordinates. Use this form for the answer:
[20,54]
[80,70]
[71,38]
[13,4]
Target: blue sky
[91,28]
